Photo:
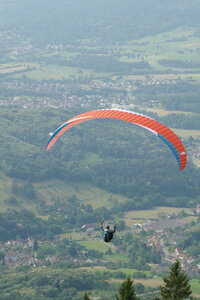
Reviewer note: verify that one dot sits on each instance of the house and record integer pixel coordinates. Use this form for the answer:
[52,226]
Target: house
[91,227]
[180,255]
[198,209]
[137,226]
[153,241]
[11,257]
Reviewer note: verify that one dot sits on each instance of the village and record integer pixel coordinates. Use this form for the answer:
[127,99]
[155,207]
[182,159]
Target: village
[116,92]
[163,234]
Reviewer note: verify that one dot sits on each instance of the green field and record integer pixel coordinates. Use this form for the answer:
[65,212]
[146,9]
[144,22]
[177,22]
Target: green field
[11,68]
[53,189]
[83,191]
[96,245]
[163,112]
[55,72]
[185,133]
[140,216]
[178,44]
[195,286]
[48,72]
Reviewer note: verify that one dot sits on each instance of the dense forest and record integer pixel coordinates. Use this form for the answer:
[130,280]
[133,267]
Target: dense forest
[190,241]
[44,284]
[182,96]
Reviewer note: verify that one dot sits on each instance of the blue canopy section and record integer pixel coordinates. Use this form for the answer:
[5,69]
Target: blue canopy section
[56,132]
[172,147]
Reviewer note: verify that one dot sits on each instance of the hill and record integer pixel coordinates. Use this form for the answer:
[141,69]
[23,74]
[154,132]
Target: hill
[110,21]
[111,157]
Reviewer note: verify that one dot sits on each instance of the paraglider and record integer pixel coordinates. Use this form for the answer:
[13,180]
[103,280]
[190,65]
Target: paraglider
[108,233]
[157,128]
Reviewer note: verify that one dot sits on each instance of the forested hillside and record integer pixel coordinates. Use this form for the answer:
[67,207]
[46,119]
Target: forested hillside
[66,21]
[109,154]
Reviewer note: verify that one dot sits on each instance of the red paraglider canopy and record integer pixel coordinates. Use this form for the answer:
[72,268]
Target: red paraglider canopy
[160,130]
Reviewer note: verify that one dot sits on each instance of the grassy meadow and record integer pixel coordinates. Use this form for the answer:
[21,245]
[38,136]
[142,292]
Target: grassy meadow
[186,133]
[46,71]
[140,216]
[179,44]
[53,189]
[83,191]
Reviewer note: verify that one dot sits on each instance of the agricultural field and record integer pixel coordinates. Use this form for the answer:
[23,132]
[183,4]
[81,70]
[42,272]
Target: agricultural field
[180,44]
[195,285]
[53,189]
[38,71]
[140,216]
[55,72]
[83,191]
[187,133]
[164,112]
[12,68]
[98,245]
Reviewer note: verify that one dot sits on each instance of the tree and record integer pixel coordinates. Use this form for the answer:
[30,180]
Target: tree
[2,257]
[126,291]
[35,245]
[86,297]
[176,286]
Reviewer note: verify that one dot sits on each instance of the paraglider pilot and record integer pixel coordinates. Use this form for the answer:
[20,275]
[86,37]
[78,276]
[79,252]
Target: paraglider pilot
[108,233]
